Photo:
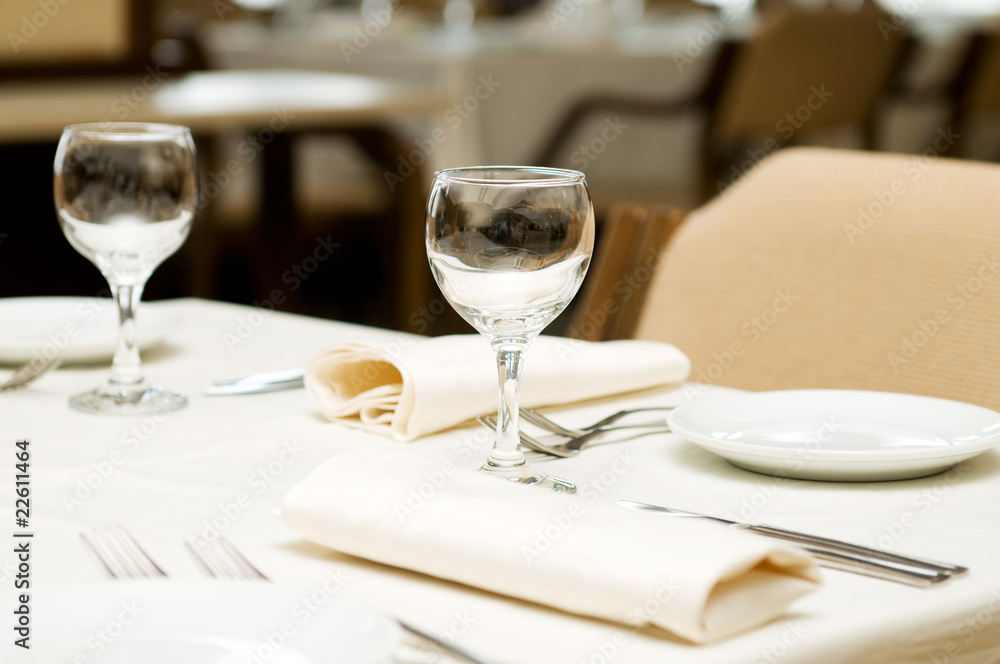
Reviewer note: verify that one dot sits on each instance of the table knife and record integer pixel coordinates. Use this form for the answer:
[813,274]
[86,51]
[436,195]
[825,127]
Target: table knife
[834,554]
[270,381]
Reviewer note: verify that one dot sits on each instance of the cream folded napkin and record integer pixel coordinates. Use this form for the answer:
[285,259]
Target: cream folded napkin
[412,386]
[697,579]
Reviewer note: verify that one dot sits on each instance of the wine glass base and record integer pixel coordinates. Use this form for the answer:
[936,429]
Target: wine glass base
[138,402]
[525,474]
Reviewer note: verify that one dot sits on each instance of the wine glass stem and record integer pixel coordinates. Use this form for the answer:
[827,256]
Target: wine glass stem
[125,368]
[505,452]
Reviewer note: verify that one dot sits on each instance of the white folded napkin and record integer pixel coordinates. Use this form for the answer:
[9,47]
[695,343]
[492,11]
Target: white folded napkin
[697,579]
[413,386]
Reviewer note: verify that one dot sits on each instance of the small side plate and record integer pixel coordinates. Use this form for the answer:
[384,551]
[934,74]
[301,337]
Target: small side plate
[838,435]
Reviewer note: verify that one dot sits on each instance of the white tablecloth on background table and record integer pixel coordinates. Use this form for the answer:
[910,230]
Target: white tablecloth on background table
[224,463]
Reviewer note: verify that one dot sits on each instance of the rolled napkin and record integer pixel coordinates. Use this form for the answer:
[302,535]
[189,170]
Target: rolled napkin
[699,580]
[415,386]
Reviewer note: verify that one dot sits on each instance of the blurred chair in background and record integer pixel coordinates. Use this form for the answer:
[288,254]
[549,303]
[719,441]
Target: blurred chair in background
[49,43]
[800,71]
[974,93]
[840,269]
[633,238]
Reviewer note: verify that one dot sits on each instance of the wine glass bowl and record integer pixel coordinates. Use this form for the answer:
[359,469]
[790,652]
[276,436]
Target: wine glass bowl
[125,195]
[509,247]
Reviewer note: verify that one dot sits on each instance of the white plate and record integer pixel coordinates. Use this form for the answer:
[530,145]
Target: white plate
[838,435]
[210,622]
[80,329]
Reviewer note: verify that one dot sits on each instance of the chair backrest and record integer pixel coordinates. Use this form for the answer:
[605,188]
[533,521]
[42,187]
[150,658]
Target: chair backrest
[60,38]
[808,67]
[984,92]
[840,269]
[628,253]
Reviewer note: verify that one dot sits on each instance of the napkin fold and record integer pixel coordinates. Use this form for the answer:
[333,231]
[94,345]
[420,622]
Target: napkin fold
[699,580]
[412,386]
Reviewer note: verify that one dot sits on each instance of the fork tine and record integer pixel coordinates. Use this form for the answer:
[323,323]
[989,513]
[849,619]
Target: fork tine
[144,561]
[527,442]
[28,372]
[544,422]
[95,554]
[118,555]
[218,558]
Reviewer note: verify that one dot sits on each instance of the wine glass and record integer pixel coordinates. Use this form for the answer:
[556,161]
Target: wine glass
[125,194]
[509,247]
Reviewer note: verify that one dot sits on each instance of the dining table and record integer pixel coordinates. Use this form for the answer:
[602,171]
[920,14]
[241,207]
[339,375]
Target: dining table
[223,465]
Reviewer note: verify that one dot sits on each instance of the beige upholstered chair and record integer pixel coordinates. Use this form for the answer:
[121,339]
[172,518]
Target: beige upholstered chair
[840,269]
[73,38]
[800,70]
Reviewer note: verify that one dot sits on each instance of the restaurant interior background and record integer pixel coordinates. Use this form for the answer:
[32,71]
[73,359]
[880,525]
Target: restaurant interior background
[670,120]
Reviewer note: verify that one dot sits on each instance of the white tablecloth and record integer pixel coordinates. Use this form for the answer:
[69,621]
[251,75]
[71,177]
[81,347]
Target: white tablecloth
[225,463]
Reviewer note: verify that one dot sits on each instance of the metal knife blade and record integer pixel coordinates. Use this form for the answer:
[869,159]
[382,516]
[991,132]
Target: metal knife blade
[829,552]
[271,381]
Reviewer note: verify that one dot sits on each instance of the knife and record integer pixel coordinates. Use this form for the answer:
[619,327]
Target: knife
[271,381]
[834,554]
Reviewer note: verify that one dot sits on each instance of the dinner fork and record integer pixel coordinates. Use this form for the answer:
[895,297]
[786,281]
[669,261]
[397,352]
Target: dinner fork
[218,558]
[575,444]
[118,555]
[543,422]
[28,372]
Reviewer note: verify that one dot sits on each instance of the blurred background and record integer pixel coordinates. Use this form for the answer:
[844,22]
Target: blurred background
[317,144]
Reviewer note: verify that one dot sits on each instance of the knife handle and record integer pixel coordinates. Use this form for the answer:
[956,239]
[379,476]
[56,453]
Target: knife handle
[920,577]
[856,550]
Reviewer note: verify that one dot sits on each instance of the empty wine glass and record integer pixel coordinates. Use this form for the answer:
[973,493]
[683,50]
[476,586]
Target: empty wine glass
[509,247]
[125,194]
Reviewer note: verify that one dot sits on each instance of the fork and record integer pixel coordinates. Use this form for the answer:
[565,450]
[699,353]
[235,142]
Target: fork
[118,555]
[575,444]
[544,422]
[218,558]
[28,372]
[534,454]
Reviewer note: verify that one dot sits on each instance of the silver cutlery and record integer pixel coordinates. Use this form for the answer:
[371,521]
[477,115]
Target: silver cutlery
[530,453]
[269,381]
[220,559]
[118,555]
[835,554]
[28,372]
[543,422]
[573,446]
